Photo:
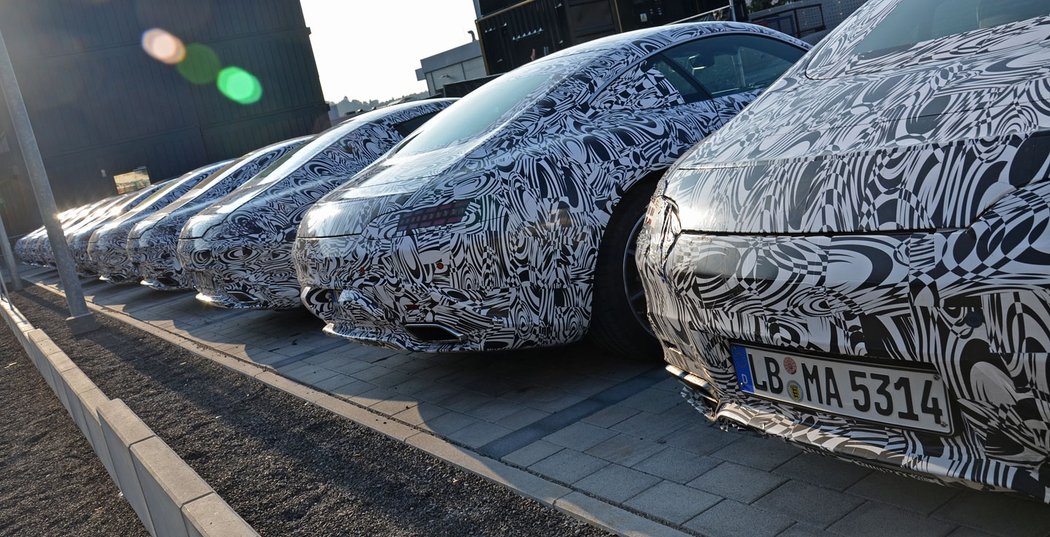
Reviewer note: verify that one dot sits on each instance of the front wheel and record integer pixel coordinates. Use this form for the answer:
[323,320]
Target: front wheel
[619,320]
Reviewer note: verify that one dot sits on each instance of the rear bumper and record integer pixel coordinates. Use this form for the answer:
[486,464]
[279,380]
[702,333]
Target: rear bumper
[375,292]
[891,297]
[423,320]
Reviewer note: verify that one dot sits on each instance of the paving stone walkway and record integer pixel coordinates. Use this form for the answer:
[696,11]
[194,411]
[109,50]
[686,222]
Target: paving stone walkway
[613,429]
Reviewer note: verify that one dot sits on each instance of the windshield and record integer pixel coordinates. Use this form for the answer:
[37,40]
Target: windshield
[175,184]
[158,195]
[483,108]
[915,21]
[298,157]
[263,177]
[217,176]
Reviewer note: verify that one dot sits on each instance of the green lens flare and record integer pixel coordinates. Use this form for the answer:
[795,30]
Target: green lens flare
[201,65]
[239,85]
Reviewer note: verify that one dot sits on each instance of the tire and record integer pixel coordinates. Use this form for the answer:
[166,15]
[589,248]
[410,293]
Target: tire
[618,323]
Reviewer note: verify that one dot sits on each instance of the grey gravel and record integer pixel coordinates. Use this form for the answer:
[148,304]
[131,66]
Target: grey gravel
[288,467]
[51,482]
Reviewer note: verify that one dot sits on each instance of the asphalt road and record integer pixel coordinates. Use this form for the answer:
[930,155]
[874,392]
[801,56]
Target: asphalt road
[289,467]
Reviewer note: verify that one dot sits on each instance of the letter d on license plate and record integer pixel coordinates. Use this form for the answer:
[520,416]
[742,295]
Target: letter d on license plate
[909,398]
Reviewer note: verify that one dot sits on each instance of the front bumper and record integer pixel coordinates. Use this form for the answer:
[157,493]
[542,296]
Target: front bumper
[78,247]
[236,274]
[157,265]
[109,255]
[934,298]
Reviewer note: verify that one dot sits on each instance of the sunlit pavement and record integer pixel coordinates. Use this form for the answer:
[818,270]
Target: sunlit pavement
[612,429]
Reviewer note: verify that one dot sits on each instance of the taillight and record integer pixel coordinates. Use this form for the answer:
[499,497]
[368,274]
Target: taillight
[438,215]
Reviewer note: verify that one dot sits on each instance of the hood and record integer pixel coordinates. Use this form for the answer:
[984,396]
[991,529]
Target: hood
[398,174]
[926,146]
[87,226]
[215,186]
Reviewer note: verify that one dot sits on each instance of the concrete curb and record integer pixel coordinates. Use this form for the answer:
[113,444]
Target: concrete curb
[591,510]
[169,498]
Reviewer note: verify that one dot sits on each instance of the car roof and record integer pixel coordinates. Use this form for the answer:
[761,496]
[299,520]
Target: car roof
[639,44]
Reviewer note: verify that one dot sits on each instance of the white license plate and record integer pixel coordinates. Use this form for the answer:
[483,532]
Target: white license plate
[899,396]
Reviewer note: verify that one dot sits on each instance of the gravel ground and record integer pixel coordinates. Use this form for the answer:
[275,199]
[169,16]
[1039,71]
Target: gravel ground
[288,467]
[51,482]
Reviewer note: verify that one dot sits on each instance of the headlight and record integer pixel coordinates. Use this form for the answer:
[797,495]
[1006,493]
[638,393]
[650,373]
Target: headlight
[198,225]
[145,225]
[339,218]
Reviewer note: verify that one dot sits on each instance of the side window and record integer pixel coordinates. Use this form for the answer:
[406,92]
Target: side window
[721,65]
[641,87]
[679,78]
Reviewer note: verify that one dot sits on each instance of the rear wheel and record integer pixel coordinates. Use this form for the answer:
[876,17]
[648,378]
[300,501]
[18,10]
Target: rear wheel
[619,320]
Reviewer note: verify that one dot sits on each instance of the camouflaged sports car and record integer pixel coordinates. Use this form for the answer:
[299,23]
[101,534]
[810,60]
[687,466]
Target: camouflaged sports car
[28,248]
[77,235]
[238,252]
[107,245]
[151,242]
[509,219]
[860,261]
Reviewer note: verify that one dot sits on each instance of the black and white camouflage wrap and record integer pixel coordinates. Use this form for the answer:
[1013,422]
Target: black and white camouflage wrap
[151,242]
[77,236]
[29,247]
[238,252]
[107,246]
[893,208]
[535,192]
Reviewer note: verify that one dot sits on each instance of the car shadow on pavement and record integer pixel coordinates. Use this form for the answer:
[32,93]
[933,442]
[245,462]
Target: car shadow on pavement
[472,399]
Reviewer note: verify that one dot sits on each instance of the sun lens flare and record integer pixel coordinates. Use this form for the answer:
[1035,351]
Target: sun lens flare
[201,64]
[239,85]
[163,46]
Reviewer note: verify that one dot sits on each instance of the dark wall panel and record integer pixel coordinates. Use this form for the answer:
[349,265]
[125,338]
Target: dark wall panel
[284,65]
[243,136]
[57,27]
[76,177]
[513,33]
[99,102]
[16,198]
[104,98]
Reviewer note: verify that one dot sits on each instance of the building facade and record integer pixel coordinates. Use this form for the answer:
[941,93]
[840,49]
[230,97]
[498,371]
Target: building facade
[806,19]
[513,32]
[101,106]
[451,66]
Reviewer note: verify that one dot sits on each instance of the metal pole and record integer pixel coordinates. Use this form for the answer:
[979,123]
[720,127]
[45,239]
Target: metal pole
[732,11]
[4,293]
[9,257]
[81,320]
